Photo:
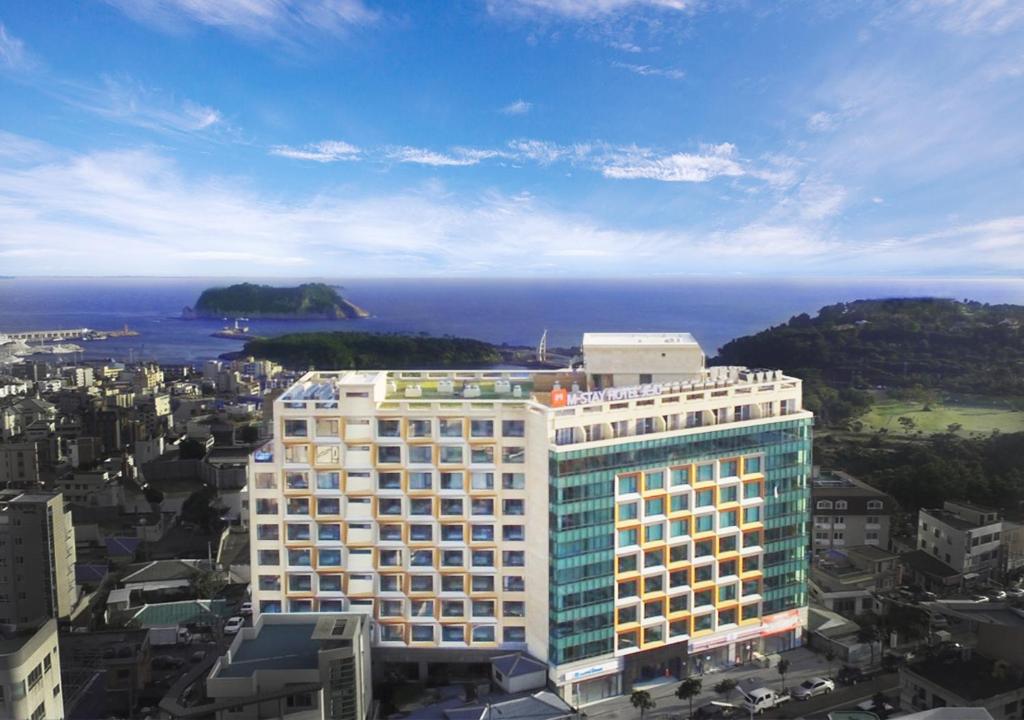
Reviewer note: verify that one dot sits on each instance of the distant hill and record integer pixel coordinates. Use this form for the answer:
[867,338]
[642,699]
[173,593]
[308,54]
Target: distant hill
[310,301]
[935,344]
[361,350]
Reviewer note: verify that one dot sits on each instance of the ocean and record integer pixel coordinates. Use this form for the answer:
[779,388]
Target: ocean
[496,310]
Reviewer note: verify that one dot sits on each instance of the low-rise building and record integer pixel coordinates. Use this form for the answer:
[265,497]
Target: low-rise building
[30,685]
[19,464]
[846,581]
[971,680]
[848,512]
[965,537]
[308,665]
[124,657]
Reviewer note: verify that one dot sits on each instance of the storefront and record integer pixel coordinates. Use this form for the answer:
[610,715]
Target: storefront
[782,631]
[666,663]
[591,684]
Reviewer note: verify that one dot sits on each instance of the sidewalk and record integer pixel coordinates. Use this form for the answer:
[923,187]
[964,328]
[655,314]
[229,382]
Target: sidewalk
[803,664]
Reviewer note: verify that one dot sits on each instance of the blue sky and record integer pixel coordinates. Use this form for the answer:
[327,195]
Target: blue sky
[512,137]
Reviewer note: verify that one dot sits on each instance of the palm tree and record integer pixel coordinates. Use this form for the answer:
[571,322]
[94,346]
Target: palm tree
[641,700]
[830,657]
[783,668]
[689,689]
[725,687]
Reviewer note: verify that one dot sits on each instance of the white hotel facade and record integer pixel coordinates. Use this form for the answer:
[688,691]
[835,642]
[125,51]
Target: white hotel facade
[637,516]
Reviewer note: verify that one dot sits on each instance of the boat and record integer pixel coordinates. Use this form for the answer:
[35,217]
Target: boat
[237,331]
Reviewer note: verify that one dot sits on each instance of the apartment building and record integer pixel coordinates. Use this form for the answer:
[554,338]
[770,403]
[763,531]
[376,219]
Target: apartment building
[848,512]
[965,537]
[37,558]
[19,464]
[30,684]
[636,516]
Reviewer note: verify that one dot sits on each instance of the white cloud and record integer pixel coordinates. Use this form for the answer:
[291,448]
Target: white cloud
[713,161]
[12,51]
[289,20]
[970,17]
[423,156]
[519,107]
[650,70]
[821,121]
[625,46]
[581,9]
[324,151]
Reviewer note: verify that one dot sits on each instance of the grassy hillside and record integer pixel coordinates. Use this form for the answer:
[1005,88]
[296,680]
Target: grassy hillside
[309,300]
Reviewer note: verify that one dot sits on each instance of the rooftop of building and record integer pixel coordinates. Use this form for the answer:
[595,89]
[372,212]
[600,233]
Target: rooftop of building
[870,552]
[21,497]
[161,570]
[952,519]
[928,564]
[630,339]
[971,506]
[836,483]
[275,647]
[14,639]
[542,705]
[971,678]
[994,613]
[516,664]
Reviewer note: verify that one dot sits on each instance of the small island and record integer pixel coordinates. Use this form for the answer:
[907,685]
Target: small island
[309,301]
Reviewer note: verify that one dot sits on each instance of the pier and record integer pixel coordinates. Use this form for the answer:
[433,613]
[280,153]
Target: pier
[82,333]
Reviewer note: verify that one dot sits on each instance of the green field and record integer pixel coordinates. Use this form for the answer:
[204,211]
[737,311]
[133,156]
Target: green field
[975,415]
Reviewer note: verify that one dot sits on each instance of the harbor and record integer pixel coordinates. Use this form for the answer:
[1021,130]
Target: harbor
[16,345]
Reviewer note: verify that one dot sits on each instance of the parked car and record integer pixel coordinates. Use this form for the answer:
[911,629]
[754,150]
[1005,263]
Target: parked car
[715,710]
[761,699]
[245,610]
[197,656]
[996,594]
[1015,592]
[869,706]
[938,621]
[167,662]
[813,687]
[233,625]
[979,598]
[849,675]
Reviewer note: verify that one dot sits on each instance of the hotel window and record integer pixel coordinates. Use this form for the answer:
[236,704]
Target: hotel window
[390,532]
[654,634]
[727,469]
[390,583]
[482,608]
[751,587]
[513,583]
[752,538]
[678,578]
[423,633]
[328,480]
[483,533]
[514,635]
[751,515]
[329,558]
[678,627]
[513,507]
[513,532]
[451,558]
[296,481]
[328,455]
[300,557]
[726,568]
[705,473]
[727,494]
[450,427]
[387,506]
[627,563]
[727,519]
[419,428]
[421,480]
[483,633]
[298,531]
[421,533]
[452,481]
[295,428]
[680,476]
[481,428]
[749,612]
[297,506]
[296,454]
[453,583]
[482,480]
[627,615]
[628,589]
[452,533]
[704,548]
[726,543]
[705,498]
[653,584]
[422,454]
[703,573]
[268,557]
[421,583]
[628,640]
[270,606]
[391,608]
[751,564]
[266,507]
[422,608]
[268,532]
[451,454]
[389,428]
[513,558]
[727,617]
[513,481]
[389,481]
[752,465]
[299,606]
[513,455]
[451,506]
[452,608]
[482,455]
[453,633]
[679,503]
[751,490]
[483,558]
[391,633]
[628,511]
[482,583]
[627,484]
[654,481]
[266,481]
[679,553]
[330,583]
[421,506]
[270,582]
[389,453]
[390,558]
[654,506]
[679,528]
[705,523]
[481,506]
[628,537]
[654,532]
[704,597]
[513,428]
[653,609]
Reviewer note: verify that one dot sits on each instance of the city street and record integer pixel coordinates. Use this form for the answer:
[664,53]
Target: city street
[803,664]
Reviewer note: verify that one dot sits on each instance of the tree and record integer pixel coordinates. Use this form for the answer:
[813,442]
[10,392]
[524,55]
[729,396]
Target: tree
[725,687]
[783,668]
[830,657]
[954,428]
[191,449]
[689,689]
[153,494]
[868,634]
[641,700]
[907,423]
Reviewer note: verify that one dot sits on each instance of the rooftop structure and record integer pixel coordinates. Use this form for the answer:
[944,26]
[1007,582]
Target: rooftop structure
[965,537]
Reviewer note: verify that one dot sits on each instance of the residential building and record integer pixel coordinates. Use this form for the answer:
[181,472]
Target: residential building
[848,512]
[19,464]
[123,657]
[30,685]
[637,516]
[971,680]
[37,558]
[965,537]
[847,581]
[301,665]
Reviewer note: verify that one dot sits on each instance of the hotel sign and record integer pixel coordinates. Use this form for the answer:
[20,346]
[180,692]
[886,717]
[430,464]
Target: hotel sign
[592,671]
[565,398]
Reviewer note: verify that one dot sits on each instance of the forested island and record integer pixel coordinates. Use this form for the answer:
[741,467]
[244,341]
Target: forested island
[361,350]
[309,301]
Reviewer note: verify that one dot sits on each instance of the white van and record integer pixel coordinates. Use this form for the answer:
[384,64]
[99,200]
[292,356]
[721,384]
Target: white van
[761,699]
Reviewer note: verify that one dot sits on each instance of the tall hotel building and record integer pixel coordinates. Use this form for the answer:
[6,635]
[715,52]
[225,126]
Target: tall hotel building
[640,516]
